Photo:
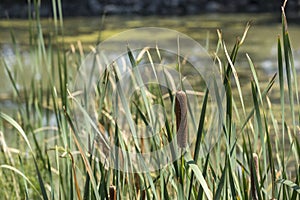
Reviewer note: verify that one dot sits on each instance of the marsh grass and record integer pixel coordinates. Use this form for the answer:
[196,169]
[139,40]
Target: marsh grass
[256,157]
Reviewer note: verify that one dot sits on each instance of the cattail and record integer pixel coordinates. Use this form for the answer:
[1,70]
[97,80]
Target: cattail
[256,166]
[137,181]
[101,141]
[112,192]
[181,119]
[143,194]
[255,169]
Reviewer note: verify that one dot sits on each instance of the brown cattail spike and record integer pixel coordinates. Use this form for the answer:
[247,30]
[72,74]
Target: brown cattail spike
[256,166]
[143,195]
[181,118]
[112,192]
[254,170]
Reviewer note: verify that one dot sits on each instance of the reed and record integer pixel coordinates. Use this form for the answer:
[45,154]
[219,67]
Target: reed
[50,157]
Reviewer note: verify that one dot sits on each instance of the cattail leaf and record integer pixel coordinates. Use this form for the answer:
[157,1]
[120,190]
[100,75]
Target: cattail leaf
[200,190]
[4,166]
[201,126]
[264,94]
[82,153]
[191,164]
[233,70]
[290,185]
[218,193]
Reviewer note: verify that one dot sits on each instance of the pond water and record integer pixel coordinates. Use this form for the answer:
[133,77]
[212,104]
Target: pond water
[260,44]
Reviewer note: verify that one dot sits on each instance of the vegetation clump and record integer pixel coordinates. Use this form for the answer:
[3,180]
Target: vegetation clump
[51,157]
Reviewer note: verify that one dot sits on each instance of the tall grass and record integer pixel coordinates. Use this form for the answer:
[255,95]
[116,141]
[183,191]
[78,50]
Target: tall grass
[45,154]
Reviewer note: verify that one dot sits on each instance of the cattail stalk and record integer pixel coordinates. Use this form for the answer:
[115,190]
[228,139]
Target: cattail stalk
[181,118]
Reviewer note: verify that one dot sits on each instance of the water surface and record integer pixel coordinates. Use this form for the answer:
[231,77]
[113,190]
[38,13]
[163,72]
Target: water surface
[260,44]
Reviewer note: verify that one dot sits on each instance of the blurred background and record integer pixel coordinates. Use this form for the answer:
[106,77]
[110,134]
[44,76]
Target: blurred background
[18,8]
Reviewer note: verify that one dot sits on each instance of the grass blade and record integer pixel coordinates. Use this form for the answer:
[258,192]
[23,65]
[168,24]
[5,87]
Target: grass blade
[191,164]
[290,184]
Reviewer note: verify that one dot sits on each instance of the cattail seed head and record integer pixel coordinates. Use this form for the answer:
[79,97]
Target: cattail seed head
[112,192]
[254,170]
[143,195]
[181,118]
[256,166]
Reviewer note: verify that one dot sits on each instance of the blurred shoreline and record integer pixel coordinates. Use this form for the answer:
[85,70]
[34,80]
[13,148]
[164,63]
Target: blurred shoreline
[19,9]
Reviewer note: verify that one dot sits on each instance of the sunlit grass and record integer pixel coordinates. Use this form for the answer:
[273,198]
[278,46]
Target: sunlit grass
[46,154]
